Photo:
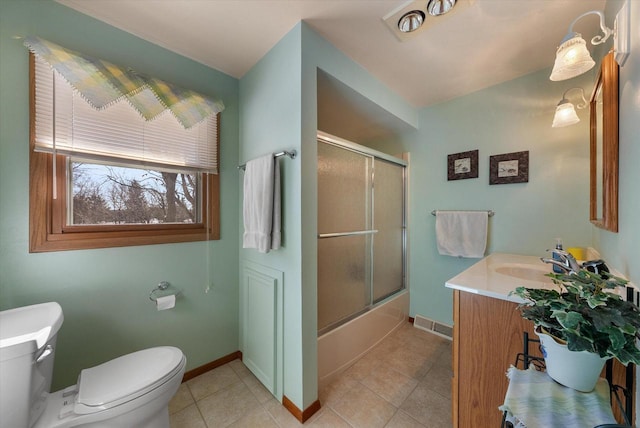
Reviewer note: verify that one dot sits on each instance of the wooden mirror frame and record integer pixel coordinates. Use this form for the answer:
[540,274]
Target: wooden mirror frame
[607,84]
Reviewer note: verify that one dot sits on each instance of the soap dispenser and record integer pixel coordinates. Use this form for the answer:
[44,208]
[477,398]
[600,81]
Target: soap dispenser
[557,269]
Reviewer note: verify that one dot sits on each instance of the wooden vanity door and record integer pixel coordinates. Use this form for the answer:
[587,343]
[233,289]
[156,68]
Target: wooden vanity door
[488,335]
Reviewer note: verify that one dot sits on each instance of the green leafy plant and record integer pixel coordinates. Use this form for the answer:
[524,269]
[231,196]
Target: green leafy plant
[586,314]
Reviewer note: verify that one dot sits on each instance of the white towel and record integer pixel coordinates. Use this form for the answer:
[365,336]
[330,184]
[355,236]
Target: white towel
[462,233]
[261,204]
[276,221]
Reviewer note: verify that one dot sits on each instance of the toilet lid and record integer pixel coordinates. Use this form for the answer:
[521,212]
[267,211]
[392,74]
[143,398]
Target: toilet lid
[127,377]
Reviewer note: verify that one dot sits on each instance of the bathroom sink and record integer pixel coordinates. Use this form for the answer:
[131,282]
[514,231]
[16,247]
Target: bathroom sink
[35,323]
[498,274]
[525,272]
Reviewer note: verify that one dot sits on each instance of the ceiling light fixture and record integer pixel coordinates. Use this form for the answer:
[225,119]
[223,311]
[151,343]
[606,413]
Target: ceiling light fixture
[572,56]
[411,21]
[412,17]
[440,7]
[565,112]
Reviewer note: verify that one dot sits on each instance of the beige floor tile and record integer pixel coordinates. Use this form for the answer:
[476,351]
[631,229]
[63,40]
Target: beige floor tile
[390,384]
[258,418]
[428,407]
[181,399]
[404,382]
[227,406]
[410,333]
[241,370]
[402,420]
[444,359]
[426,343]
[364,367]
[333,393]
[327,418]
[282,416]
[411,363]
[188,417]
[362,408]
[261,393]
[438,379]
[389,344]
[212,382]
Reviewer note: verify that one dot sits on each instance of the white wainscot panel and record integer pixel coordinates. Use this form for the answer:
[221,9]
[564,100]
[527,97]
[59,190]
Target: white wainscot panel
[261,324]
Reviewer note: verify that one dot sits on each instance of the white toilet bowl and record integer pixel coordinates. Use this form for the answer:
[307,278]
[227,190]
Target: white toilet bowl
[131,391]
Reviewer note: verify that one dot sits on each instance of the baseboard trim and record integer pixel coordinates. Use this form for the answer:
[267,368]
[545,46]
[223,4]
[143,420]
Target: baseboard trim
[300,415]
[212,365]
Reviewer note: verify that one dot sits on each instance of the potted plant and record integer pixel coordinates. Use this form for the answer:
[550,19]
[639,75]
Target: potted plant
[586,322]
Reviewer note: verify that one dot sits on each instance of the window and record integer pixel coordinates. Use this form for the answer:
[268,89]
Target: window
[156,182]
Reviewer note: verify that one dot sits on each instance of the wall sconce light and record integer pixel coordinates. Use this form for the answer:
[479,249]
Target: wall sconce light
[572,56]
[565,111]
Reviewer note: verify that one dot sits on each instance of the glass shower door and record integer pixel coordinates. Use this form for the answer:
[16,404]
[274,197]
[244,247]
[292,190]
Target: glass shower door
[344,234]
[389,221]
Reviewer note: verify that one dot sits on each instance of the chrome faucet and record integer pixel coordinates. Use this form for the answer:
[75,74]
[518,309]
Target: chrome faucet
[565,261]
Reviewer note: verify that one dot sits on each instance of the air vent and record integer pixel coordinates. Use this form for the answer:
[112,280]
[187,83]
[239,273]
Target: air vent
[434,327]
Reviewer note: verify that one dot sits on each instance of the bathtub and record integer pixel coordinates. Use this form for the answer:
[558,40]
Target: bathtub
[339,348]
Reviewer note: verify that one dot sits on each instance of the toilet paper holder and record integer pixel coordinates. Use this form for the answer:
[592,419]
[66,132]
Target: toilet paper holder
[162,286]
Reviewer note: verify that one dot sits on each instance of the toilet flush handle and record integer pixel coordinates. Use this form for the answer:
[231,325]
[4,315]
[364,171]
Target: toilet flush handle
[45,353]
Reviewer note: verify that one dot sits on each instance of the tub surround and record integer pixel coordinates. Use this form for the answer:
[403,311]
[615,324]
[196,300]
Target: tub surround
[343,346]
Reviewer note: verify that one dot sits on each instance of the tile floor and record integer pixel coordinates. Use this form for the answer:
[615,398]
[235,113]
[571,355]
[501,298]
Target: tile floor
[405,381]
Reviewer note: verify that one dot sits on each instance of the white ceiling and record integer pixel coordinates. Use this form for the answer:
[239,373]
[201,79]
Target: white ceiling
[483,43]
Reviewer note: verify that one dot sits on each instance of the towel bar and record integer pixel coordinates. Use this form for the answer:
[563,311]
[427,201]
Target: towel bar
[490,213]
[292,154]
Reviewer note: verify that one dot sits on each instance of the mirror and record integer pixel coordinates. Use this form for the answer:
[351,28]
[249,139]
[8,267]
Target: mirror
[604,147]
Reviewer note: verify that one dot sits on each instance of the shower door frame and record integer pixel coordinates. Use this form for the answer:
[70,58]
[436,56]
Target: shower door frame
[323,137]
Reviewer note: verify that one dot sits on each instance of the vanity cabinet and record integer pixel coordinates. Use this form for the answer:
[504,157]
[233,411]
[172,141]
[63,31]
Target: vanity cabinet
[487,336]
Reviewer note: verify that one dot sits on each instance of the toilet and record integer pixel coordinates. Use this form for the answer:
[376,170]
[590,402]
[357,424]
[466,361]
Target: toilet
[129,391]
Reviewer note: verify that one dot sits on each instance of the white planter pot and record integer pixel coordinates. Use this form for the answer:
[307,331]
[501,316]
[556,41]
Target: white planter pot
[577,370]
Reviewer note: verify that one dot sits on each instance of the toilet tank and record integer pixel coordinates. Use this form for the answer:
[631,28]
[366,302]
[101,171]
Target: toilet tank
[27,350]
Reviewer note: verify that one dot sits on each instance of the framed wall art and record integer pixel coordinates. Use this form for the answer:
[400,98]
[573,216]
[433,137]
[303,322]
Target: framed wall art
[509,168]
[462,165]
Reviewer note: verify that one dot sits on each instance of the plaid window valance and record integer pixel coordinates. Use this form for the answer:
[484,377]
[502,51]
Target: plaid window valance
[102,83]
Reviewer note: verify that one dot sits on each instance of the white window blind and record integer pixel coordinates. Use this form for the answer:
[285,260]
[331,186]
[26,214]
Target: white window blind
[67,124]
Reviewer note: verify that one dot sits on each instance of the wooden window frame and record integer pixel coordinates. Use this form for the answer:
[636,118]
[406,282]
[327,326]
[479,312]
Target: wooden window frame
[48,230]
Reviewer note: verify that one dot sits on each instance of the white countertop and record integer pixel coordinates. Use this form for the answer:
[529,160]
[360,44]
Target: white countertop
[498,274]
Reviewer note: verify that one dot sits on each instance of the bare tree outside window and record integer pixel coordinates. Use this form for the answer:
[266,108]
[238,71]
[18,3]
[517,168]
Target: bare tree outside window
[106,194]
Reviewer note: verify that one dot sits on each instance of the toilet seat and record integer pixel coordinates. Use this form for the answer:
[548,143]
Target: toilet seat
[126,378]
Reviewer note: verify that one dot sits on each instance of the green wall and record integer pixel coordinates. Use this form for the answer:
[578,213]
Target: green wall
[104,293]
[270,122]
[278,111]
[273,107]
[516,116]
[511,117]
